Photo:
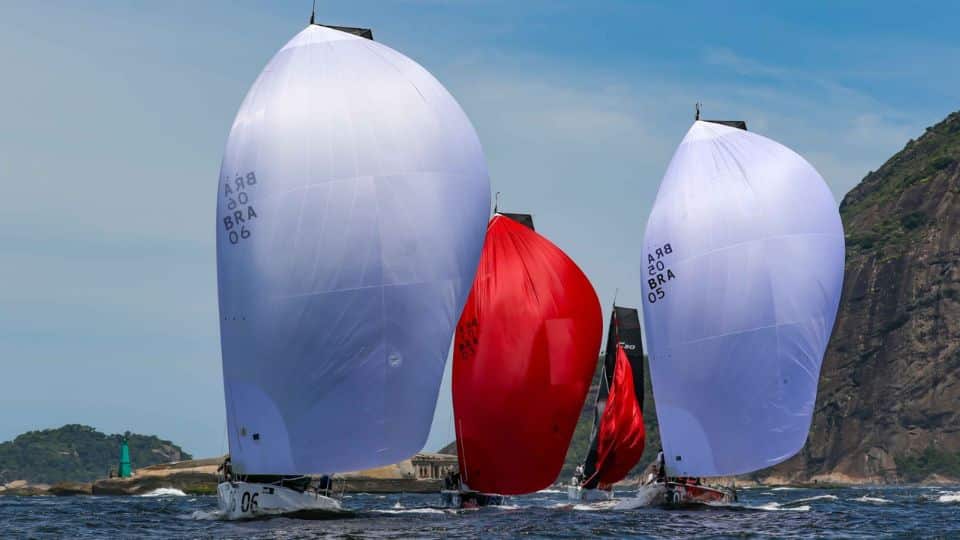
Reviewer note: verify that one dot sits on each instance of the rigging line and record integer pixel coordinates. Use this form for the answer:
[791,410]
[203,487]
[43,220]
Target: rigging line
[313,13]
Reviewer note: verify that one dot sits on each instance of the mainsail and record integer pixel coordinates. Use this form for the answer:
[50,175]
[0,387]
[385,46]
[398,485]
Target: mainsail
[524,353]
[619,427]
[743,267]
[352,203]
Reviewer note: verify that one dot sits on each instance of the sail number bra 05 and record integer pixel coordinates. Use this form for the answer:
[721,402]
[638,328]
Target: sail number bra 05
[658,274]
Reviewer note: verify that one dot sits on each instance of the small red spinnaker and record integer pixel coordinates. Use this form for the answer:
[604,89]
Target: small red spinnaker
[622,437]
[524,354]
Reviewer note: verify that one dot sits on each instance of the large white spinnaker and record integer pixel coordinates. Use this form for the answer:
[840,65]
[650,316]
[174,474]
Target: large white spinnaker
[743,268]
[352,206]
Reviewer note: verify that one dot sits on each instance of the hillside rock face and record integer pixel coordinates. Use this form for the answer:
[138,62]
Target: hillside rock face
[887,408]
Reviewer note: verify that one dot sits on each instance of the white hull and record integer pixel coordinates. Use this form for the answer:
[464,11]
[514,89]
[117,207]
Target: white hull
[577,493]
[246,500]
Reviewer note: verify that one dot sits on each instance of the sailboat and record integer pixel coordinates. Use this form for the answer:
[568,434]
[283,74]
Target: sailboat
[618,437]
[351,212]
[524,354]
[743,266]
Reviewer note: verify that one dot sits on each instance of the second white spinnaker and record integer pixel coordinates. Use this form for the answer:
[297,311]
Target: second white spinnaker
[743,263]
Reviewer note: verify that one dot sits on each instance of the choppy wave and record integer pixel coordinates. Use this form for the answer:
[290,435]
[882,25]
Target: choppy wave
[777,507]
[911,512]
[878,500]
[811,499]
[413,511]
[549,490]
[206,515]
[784,488]
[164,492]
[949,497]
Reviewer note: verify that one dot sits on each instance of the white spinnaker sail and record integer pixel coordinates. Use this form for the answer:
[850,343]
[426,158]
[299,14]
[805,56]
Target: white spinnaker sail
[743,268]
[352,207]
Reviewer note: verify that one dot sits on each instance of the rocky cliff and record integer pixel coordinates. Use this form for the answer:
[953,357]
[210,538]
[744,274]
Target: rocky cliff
[887,409]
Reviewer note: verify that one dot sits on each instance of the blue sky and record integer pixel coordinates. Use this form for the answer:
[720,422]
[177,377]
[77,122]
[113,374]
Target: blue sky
[115,115]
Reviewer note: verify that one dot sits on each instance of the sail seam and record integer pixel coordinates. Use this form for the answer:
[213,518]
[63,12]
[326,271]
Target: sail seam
[746,331]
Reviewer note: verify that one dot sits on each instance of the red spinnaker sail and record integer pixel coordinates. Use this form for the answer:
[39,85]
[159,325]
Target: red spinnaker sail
[622,436]
[524,354]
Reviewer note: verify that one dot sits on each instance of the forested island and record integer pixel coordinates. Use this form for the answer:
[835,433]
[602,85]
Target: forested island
[78,453]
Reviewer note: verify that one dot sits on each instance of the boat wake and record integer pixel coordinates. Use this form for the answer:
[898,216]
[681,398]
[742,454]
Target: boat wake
[164,492]
[207,515]
[646,496]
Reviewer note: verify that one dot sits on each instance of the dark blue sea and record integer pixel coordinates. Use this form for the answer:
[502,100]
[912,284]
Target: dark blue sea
[761,513]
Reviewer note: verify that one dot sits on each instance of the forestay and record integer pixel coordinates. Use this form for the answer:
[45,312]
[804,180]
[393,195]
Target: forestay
[743,267]
[352,205]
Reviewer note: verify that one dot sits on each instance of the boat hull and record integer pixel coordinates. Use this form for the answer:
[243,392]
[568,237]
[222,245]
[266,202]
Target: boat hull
[677,494]
[687,494]
[248,500]
[453,498]
[577,493]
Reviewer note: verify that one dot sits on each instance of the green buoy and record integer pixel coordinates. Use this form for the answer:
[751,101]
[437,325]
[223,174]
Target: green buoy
[124,470]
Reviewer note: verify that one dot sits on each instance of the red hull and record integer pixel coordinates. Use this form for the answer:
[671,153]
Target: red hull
[681,494]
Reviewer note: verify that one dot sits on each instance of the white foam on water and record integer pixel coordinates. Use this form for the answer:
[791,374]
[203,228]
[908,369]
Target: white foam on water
[784,488]
[595,507]
[164,492]
[809,499]
[949,497]
[206,515]
[548,490]
[866,499]
[646,496]
[398,506]
[414,511]
[776,507]
[766,507]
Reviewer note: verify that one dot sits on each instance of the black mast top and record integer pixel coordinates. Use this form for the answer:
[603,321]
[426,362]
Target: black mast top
[362,32]
[739,124]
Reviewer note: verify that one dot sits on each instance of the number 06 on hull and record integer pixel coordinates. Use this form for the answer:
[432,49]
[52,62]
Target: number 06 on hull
[247,500]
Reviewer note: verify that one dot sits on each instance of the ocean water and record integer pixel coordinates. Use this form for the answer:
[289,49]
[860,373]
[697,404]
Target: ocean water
[761,512]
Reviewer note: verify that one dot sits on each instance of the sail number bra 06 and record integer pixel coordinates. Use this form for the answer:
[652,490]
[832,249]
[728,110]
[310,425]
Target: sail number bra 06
[239,209]
[658,273]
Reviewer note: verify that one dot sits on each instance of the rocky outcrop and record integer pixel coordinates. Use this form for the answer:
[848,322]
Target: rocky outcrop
[887,409]
[65,489]
[199,477]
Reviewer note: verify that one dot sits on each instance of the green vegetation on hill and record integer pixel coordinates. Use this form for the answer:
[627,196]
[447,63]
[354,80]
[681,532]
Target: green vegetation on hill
[917,164]
[77,453]
[930,461]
